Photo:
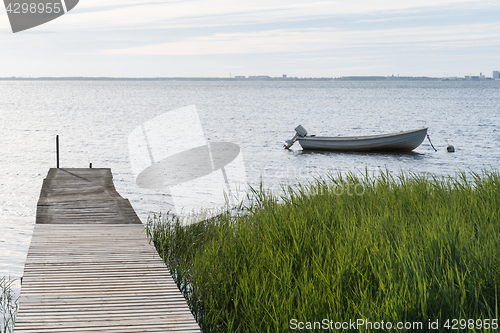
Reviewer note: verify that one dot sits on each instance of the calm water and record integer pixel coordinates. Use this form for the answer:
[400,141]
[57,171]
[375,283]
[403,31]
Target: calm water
[93,120]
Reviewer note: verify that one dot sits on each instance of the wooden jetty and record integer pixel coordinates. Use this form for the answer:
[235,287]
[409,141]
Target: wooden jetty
[90,267]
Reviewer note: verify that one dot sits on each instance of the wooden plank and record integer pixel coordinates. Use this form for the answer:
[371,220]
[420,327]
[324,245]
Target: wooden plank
[83,275]
[82,196]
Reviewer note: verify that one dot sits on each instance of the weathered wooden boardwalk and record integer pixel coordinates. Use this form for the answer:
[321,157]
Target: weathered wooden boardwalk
[90,267]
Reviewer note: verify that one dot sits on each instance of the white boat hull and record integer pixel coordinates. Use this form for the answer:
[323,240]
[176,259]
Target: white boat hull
[401,141]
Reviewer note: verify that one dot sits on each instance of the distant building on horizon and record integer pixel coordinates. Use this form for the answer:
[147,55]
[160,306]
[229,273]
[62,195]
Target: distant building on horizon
[495,75]
[481,77]
[259,77]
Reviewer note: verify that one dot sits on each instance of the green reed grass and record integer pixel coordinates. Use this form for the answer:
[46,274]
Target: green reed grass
[404,248]
[8,305]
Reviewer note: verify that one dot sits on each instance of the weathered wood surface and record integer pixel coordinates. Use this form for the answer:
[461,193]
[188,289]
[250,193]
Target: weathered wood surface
[82,196]
[102,277]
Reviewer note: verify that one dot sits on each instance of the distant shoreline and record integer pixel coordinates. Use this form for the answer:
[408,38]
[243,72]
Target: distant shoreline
[250,78]
[76,78]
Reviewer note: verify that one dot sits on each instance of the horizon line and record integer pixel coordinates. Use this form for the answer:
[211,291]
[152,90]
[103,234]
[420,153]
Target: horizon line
[241,78]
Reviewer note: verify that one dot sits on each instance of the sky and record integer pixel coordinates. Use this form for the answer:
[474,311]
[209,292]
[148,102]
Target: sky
[223,38]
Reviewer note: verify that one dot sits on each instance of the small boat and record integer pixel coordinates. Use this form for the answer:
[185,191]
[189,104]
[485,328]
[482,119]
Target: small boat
[401,141]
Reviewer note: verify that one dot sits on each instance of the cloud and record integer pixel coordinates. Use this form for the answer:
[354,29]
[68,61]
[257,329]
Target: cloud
[314,39]
[129,14]
[258,36]
[233,43]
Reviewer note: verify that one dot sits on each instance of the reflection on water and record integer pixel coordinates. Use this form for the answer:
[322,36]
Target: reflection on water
[362,154]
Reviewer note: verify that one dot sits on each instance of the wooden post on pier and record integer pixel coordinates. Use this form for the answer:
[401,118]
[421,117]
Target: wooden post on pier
[90,267]
[57,150]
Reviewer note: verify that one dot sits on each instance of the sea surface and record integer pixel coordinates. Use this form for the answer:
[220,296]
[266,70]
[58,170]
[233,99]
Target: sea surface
[95,118]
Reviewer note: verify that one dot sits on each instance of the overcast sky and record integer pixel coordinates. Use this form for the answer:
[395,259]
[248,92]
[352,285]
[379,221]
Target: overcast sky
[219,38]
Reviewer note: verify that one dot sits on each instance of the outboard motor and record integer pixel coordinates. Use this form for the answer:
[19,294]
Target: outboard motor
[299,132]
